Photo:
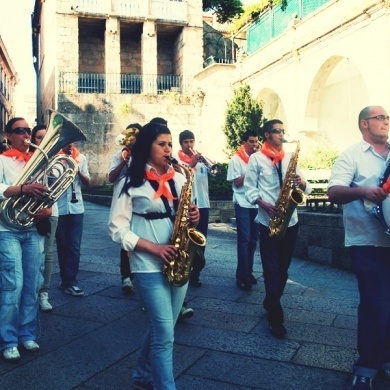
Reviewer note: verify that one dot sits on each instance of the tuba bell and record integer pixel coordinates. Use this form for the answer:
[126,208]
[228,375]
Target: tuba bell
[17,212]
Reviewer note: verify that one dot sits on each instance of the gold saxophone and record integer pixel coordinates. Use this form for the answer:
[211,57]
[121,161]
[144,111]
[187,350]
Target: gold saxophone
[289,198]
[187,240]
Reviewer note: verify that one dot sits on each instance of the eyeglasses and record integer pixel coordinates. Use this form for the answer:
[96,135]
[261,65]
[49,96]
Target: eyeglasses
[21,130]
[277,131]
[379,117]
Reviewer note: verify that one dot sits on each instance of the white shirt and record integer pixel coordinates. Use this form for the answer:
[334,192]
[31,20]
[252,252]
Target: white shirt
[65,206]
[359,165]
[238,167]
[126,228]
[262,181]
[115,162]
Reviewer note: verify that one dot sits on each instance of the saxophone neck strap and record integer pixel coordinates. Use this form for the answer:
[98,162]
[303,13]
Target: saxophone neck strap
[278,167]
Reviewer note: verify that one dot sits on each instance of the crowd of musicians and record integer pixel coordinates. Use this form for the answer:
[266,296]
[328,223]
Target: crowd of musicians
[148,187]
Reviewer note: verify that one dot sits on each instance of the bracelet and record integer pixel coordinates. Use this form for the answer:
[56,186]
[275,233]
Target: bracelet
[21,189]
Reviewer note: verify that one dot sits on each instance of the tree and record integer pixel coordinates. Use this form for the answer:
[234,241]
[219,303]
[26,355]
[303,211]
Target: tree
[243,114]
[225,10]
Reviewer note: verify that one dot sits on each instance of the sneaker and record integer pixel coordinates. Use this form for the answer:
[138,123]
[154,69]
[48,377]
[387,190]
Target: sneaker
[11,354]
[44,302]
[75,291]
[138,385]
[127,285]
[185,312]
[31,346]
[361,383]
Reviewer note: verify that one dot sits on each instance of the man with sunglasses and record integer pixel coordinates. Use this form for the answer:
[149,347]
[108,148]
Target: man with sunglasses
[21,252]
[247,228]
[263,181]
[354,183]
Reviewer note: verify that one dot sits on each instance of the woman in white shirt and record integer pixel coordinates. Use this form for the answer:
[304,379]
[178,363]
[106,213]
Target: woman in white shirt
[141,220]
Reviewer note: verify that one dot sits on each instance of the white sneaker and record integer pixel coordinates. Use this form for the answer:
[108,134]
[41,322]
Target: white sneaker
[31,346]
[127,285]
[11,354]
[44,301]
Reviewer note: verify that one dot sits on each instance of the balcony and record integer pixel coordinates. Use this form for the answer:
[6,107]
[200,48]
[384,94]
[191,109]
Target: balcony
[167,10]
[123,83]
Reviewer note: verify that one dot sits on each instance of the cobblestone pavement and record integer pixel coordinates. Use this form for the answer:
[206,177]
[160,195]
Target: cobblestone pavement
[92,342]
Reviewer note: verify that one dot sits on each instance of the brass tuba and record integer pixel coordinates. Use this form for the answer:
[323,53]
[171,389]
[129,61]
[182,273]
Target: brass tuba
[188,241]
[289,198]
[17,212]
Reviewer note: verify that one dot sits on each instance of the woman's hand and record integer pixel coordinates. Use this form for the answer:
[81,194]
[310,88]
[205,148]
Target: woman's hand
[193,215]
[165,252]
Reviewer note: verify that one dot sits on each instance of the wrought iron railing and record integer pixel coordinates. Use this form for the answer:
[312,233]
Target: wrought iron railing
[123,83]
[217,60]
[159,9]
[275,21]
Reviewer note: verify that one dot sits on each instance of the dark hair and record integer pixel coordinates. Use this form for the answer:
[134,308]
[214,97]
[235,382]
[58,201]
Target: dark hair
[159,120]
[135,175]
[8,126]
[247,134]
[186,134]
[134,126]
[365,113]
[267,127]
[34,134]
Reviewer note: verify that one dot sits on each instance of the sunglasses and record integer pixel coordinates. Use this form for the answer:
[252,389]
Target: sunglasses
[21,130]
[277,131]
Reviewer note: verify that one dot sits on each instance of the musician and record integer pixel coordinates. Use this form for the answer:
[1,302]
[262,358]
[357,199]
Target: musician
[354,183]
[262,184]
[247,228]
[141,222]
[117,170]
[188,156]
[37,134]
[70,225]
[21,252]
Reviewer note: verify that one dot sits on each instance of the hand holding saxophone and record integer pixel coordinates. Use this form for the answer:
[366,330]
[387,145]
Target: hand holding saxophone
[193,215]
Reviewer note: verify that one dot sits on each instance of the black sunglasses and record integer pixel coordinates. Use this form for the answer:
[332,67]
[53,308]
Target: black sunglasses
[21,130]
[277,131]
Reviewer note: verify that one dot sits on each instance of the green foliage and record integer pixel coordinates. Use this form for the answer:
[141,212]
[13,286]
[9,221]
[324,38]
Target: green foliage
[225,10]
[243,114]
[219,187]
[319,158]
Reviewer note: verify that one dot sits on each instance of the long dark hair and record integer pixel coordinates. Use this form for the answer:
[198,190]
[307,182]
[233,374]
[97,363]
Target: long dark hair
[140,153]
[34,135]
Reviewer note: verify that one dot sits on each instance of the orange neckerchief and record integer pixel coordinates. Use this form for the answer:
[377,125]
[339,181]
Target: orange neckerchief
[185,157]
[242,154]
[386,186]
[162,188]
[74,153]
[18,154]
[269,151]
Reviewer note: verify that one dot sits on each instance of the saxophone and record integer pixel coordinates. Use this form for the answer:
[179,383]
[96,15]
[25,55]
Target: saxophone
[187,240]
[288,199]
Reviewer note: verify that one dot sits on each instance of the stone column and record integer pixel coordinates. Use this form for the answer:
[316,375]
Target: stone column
[112,54]
[149,57]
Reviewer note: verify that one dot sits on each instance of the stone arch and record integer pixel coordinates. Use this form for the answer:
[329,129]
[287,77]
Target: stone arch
[272,105]
[337,94]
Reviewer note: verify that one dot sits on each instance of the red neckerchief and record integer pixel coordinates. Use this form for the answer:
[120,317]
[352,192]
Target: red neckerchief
[18,154]
[242,154]
[386,186]
[162,188]
[74,153]
[272,153]
[185,157]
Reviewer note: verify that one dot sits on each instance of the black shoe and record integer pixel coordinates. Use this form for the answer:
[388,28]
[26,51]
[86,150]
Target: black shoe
[195,282]
[361,383]
[243,285]
[252,279]
[278,331]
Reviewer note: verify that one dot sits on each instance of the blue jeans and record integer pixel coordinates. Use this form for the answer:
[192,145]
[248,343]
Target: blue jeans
[162,303]
[21,263]
[372,267]
[247,236]
[68,236]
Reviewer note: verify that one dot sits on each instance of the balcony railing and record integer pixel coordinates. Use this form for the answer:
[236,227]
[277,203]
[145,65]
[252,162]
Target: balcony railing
[123,83]
[175,10]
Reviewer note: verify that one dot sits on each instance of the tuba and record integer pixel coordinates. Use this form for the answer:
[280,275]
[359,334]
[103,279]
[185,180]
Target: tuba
[187,240]
[17,212]
[289,198]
